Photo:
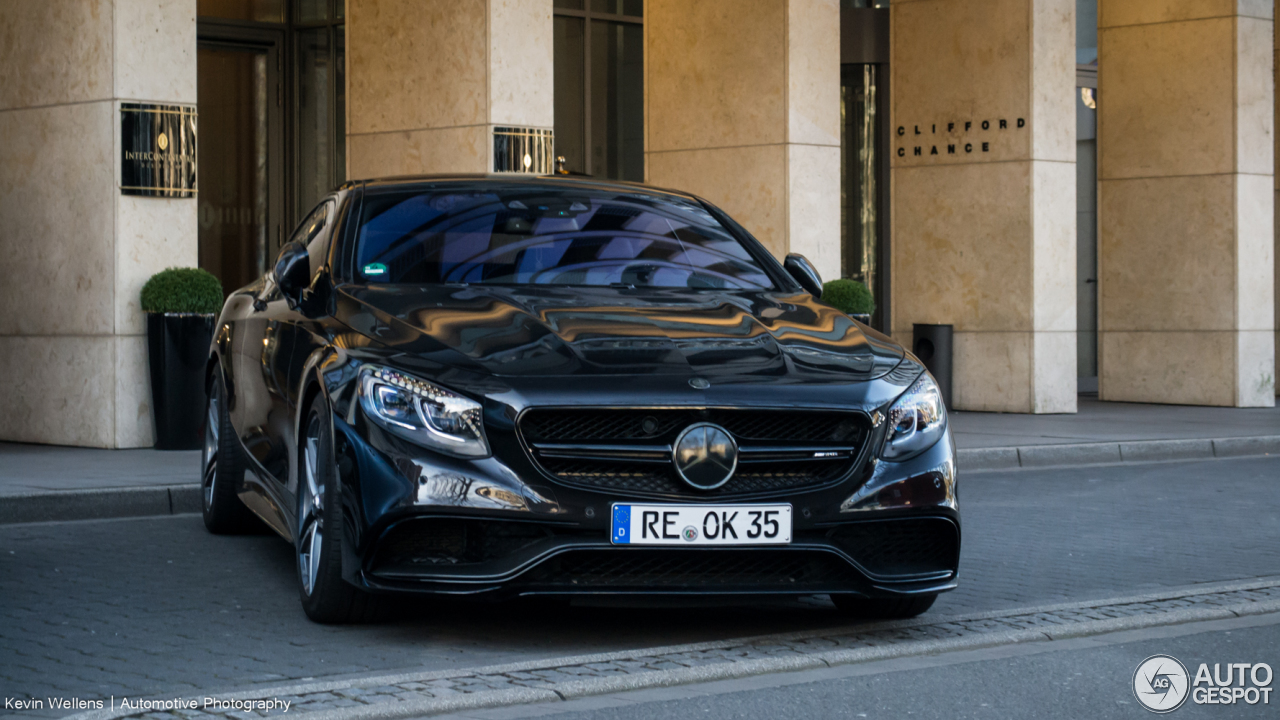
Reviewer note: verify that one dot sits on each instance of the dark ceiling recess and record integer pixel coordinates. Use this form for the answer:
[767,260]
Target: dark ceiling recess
[864,35]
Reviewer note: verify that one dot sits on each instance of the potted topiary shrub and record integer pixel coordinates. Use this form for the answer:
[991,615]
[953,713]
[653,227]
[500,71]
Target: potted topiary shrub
[182,305]
[850,296]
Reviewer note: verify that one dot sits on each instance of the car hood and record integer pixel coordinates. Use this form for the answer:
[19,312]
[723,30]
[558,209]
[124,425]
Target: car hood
[558,331]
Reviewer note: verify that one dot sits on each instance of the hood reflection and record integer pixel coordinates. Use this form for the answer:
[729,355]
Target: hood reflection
[572,331]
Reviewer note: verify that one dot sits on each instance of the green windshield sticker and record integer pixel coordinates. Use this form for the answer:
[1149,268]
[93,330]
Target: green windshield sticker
[375,269]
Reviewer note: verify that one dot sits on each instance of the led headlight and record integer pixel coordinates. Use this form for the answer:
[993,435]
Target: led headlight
[423,412]
[917,420]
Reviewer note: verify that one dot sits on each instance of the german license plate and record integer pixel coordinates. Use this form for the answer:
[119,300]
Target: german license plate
[701,524]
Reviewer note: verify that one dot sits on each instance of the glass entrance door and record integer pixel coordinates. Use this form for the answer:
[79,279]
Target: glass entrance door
[863,173]
[1087,237]
[1086,102]
[239,158]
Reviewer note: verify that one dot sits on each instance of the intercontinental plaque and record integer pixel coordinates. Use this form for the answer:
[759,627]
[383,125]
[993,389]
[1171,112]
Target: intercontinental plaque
[522,150]
[158,150]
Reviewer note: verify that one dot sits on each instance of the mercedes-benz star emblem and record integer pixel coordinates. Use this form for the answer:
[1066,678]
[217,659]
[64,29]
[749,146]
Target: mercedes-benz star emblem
[705,456]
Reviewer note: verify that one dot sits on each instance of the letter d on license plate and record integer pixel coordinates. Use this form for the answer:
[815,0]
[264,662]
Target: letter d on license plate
[701,524]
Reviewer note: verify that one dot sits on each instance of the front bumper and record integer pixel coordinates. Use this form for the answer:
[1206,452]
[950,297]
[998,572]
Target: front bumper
[875,557]
[420,522]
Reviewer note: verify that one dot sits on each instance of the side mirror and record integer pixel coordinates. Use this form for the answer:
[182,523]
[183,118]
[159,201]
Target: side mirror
[293,271]
[799,267]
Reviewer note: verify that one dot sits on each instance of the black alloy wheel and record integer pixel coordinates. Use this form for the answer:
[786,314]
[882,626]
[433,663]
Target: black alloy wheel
[884,608]
[222,469]
[326,597]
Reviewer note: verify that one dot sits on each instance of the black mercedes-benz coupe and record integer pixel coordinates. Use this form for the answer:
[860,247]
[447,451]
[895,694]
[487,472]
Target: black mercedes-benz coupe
[507,386]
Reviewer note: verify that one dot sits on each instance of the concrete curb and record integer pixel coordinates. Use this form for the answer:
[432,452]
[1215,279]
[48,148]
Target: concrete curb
[106,503]
[99,504]
[1114,453]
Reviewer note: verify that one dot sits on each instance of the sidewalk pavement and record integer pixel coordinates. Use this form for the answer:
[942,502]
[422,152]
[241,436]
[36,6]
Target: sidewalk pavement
[1105,432]
[45,482]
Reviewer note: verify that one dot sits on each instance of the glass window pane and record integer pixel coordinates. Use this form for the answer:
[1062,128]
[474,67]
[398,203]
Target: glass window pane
[617,100]
[618,7]
[315,132]
[312,10]
[569,92]
[257,10]
[340,104]
[232,163]
[1086,32]
[859,170]
[339,9]
[569,4]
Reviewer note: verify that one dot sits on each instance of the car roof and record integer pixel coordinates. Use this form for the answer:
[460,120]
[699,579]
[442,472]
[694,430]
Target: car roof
[562,181]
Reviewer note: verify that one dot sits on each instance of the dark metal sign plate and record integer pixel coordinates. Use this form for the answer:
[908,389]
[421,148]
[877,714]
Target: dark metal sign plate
[158,150]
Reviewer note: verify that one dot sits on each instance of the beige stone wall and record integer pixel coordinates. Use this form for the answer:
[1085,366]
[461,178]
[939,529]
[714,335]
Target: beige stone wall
[1186,202]
[983,224]
[427,80]
[75,252]
[742,107]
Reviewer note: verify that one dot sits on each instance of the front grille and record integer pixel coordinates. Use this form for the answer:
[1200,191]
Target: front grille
[704,570]
[452,541]
[568,444]
[900,547]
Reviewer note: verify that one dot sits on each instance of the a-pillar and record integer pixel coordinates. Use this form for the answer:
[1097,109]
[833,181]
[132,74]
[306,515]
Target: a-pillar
[742,107]
[1186,165]
[430,83]
[983,194]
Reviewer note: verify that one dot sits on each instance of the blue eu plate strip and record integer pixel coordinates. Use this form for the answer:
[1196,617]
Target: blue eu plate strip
[621,523]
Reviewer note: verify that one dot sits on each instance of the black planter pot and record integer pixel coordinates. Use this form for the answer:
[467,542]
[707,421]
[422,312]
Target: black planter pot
[178,348]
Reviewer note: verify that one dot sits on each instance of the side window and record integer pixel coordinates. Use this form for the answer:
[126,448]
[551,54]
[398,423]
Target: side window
[312,225]
[312,233]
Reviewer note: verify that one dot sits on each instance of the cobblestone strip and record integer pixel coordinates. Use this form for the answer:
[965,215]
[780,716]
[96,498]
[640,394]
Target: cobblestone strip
[556,679]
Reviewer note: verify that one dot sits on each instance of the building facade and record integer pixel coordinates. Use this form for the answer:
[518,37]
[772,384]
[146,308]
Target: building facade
[1084,189]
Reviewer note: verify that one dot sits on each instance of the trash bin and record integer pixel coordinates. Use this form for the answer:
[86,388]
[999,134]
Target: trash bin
[932,344]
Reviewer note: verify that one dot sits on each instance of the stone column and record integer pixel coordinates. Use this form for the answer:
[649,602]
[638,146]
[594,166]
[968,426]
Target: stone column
[983,194]
[1186,165]
[74,252]
[742,107]
[429,80]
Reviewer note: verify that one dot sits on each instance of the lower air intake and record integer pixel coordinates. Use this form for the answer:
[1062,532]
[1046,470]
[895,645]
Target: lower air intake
[708,570]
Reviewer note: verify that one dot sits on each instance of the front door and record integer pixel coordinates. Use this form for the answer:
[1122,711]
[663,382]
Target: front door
[240,162]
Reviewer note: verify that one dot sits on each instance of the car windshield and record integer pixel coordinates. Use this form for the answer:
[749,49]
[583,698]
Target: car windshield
[543,234]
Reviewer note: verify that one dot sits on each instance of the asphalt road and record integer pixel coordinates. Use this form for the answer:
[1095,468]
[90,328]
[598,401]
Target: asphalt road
[156,605]
[1072,679]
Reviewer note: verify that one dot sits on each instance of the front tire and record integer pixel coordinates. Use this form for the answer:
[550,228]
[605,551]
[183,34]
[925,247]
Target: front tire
[326,597]
[884,608]
[223,469]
